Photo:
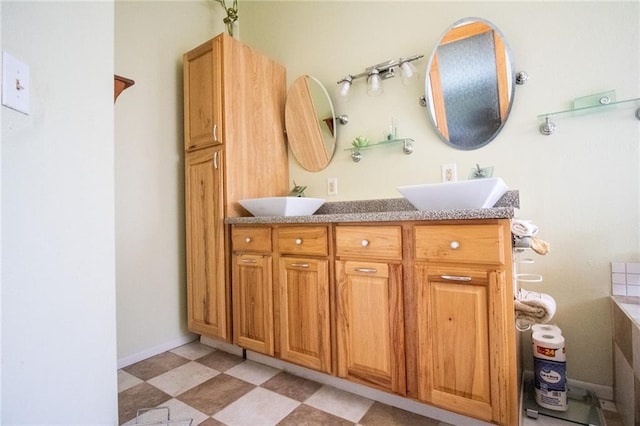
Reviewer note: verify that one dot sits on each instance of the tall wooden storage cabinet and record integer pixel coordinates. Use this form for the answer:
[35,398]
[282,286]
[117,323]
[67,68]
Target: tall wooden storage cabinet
[235,148]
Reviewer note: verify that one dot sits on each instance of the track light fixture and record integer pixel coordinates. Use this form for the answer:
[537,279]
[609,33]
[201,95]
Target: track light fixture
[382,71]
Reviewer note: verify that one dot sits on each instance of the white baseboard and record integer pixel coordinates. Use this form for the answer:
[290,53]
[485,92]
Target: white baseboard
[148,353]
[361,390]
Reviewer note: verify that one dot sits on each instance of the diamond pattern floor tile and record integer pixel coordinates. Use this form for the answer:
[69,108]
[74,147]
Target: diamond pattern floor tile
[155,365]
[215,388]
[215,394]
[183,378]
[138,397]
[258,407]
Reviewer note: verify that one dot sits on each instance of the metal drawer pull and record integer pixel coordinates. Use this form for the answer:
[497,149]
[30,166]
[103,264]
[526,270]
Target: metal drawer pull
[247,240]
[454,245]
[367,270]
[248,260]
[215,132]
[215,160]
[455,278]
[300,265]
[298,241]
[364,243]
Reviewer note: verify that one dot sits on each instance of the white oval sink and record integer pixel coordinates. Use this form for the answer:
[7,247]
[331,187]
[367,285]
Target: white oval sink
[468,194]
[282,206]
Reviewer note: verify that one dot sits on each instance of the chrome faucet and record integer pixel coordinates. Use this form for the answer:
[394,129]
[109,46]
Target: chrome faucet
[297,191]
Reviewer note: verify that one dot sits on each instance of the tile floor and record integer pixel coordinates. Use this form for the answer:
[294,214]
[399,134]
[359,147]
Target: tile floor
[213,387]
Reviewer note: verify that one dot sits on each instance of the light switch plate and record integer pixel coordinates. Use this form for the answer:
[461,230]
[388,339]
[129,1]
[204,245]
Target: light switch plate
[16,86]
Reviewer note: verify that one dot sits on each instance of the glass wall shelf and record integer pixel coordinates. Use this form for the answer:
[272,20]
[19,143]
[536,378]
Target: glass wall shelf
[407,147]
[605,101]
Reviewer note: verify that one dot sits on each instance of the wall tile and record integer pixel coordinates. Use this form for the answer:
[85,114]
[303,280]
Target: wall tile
[619,290]
[633,268]
[618,267]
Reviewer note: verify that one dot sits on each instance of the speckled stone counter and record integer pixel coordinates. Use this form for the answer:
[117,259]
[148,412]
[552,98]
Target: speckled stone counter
[388,210]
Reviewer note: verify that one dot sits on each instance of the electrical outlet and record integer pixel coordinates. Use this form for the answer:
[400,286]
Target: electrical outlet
[449,173]
[332,186]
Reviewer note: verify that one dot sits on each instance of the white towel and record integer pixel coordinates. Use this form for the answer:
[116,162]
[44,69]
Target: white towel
[534,308]
[523,228]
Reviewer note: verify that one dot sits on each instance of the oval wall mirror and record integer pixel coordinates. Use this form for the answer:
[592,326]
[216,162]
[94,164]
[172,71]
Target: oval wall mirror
[469,84]
[310,123]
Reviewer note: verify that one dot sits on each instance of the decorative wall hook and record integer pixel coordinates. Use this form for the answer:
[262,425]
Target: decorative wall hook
[232,15]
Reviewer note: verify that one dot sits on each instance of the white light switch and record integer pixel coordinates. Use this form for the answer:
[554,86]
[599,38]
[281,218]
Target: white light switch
[15,83]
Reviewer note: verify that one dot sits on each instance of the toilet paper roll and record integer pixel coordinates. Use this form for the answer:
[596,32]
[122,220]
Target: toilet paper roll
[548,346]
[549,364]
[546,328]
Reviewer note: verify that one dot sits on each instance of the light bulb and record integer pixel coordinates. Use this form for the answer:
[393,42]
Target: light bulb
[373,84]
[344,88]
[408,73]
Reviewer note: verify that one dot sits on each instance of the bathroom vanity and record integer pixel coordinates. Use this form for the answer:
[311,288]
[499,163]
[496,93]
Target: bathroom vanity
[415,303]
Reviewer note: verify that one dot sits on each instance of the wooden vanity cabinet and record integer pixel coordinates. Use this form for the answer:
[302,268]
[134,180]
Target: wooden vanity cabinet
[235,148]
[465,349]
[252,286]
[369,299]
[303,296]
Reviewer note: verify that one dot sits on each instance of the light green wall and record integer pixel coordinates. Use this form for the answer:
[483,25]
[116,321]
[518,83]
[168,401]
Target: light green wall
[581,186]
[150,39]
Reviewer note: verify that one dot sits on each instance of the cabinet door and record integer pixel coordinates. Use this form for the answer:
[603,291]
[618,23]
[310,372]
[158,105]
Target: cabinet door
[207,290]
[253,302]
[202,95]
[304,312]
[370,325]
[458,344]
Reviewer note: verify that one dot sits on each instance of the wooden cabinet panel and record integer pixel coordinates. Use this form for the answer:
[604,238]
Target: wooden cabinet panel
[369,242]
[253,303]
[207,292]
[453,341]
[305,330]
[370,333]
[461,243]
[254,239]
[466,361]
[303,240]
[202,96]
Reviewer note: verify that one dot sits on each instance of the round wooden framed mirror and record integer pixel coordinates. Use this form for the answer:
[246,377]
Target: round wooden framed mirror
[310,123]
[470,84]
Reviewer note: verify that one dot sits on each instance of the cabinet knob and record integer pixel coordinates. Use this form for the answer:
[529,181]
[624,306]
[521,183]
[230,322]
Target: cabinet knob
[298,241]
[247,240]
[454,245]
[364,243]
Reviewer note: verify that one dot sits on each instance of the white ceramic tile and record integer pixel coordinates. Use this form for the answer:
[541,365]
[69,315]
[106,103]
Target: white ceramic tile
[340,403]
[633,279]
[252,372]
[633,290]
[619,290]
[193,350]
[126,380]
[618,278]
[183,378]
[633,268]
[618,267]
[179,414]
[258,407]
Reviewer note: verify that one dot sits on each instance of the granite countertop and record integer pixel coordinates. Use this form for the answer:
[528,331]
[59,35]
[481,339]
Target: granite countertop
[388,210]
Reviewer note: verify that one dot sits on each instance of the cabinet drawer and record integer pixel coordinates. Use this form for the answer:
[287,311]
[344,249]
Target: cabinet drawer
[308,240]
[460,243]
[382,242]
[254,239]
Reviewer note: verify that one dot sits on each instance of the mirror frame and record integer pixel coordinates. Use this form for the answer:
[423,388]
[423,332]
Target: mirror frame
[311,124]
[505,76]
